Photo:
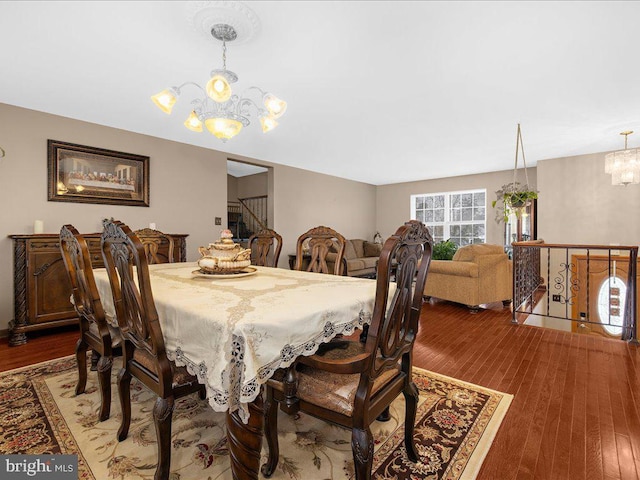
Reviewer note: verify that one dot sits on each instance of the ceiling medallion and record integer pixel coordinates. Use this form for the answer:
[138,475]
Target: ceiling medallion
[202,16]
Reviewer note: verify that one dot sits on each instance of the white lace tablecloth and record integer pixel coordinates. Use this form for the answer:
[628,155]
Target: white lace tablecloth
[233,333]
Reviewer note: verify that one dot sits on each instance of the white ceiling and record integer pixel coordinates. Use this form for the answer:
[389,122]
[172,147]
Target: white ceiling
[241,169]
[380,92]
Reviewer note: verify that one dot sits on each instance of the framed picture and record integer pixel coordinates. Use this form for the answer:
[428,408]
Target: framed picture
[78,173]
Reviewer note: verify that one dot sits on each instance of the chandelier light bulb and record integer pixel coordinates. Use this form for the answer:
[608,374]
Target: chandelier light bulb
[274,105]
[165,99]
[223,128]
[218,89]
[193,123]
[268,123]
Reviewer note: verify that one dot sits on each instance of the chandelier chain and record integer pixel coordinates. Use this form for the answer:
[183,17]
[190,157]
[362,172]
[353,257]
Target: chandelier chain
[224,54]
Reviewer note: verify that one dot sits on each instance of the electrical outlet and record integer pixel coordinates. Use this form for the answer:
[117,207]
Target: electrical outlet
[556,298]
[218,221]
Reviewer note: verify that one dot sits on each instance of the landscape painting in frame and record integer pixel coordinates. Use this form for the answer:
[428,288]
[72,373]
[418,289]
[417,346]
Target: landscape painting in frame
[78,173]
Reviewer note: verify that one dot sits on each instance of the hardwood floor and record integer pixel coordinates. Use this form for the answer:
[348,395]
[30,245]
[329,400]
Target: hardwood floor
[575,413]
[43,345]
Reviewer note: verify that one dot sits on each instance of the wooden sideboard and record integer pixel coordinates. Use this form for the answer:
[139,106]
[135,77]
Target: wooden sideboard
[40,284]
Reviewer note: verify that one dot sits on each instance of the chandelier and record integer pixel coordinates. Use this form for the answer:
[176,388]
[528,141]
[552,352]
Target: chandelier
[223,112]
[623,165]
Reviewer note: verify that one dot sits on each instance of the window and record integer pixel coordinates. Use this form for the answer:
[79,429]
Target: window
[611,301]
[459,216]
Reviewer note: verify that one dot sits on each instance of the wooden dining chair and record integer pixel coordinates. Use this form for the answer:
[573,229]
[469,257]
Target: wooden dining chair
[265,248]
[321,241]
[95,332]
[144,355]
[158,246]
[352,382]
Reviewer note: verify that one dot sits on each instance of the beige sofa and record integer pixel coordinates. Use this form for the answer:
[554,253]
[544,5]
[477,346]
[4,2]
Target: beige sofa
[360,258]
[478,274]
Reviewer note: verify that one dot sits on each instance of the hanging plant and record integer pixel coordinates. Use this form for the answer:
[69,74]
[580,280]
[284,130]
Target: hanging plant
[513,197]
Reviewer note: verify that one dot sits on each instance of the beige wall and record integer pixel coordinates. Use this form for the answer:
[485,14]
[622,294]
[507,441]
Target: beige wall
[253,185]
[185,196]
[247,186]
[179,190]
[232,188]
[578,204]
[305,200]
[394,207]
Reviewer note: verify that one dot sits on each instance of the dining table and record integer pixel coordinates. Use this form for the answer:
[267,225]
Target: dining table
[233,331]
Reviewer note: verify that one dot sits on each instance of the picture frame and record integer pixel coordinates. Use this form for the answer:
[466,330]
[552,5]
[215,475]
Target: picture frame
[83,174]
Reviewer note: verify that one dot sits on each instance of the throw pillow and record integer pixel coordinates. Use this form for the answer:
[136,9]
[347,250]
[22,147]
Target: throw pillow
[372,249]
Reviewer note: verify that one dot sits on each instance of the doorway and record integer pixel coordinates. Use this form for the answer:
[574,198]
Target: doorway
[601,294]
[249,199]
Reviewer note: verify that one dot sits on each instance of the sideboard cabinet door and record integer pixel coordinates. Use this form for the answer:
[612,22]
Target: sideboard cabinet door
[48,289]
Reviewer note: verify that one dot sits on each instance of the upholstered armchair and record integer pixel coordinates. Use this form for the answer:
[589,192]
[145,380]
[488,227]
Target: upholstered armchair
[478,274]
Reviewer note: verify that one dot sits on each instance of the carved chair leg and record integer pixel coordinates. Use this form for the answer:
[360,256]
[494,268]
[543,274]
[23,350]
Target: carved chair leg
[162,415]
[362,446]
[385,416]
[411,407]
[104,380]
[291,405]
[271,433]
[95,356]
[363,335]
[124,387]
[81,359]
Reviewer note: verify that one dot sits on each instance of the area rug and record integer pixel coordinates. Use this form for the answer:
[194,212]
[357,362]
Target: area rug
[40,414]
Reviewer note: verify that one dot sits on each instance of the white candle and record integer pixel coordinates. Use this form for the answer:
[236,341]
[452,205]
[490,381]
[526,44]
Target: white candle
[152,226]
[38,226]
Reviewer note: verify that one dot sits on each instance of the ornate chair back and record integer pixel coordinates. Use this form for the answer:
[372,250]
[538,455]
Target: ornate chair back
[127,266]
[394,323]
[353,382]
[158,246]
[144,351]
[265,248]
[95,332]
[321,241]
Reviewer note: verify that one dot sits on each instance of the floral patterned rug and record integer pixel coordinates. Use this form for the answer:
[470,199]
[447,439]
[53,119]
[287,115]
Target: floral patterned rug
[39,413]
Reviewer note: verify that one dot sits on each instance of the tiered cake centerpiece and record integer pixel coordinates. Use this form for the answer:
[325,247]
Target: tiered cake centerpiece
[224,256]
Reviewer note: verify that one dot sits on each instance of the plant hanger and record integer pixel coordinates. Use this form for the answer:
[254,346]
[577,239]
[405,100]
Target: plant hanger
[520,147]
[513,196]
